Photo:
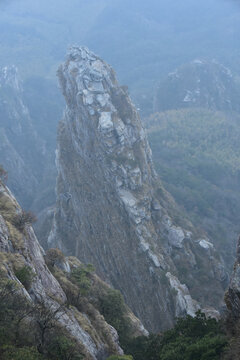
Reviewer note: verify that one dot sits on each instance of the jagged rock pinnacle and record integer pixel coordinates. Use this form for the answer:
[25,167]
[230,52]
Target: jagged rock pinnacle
[112,209]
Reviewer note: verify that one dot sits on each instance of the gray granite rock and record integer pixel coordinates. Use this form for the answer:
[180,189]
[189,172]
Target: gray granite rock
[20,247]
[118,216]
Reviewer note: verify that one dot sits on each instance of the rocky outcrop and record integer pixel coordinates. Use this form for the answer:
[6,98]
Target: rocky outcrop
[112,210]
[20,249]
[200,83]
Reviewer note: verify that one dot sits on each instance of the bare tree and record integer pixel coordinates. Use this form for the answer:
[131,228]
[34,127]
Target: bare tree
[46,318]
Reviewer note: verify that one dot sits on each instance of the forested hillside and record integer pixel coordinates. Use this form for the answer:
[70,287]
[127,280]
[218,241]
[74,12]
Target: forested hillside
[197,154]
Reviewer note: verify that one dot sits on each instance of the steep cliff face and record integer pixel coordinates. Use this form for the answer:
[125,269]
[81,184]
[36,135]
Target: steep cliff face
[19,249]
[232,300]
[232,296]
[23,152]
[16,133]
[200,83]
[112,209]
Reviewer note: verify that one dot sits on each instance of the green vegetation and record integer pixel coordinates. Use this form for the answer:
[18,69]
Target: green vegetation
[113,308]
[143,347]
[196,153]
[196,338]
[191,338]
[25,353]
[81,276]
[14,311]
[26,276]
[197,132]
[116,357]
[63,348]
[31,332]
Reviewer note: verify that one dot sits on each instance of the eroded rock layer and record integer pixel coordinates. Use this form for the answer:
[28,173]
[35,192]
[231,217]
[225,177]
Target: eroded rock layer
[112,210]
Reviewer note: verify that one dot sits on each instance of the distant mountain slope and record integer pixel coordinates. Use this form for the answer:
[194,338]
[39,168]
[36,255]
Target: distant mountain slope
[196,152]
[142,40]
[28,158]
[200,83]
[21,149]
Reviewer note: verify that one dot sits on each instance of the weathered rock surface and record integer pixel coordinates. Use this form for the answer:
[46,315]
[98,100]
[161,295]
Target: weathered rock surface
[112,210]
[18,248]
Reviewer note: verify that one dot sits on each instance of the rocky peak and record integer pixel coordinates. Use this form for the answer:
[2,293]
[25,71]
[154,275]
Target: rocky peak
[112,209]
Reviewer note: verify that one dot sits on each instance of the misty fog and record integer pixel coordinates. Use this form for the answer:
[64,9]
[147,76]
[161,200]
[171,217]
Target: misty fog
[142,40]
[119,139]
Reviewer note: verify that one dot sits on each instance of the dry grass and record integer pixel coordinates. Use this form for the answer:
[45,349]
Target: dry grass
[16,237]
[7,207]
